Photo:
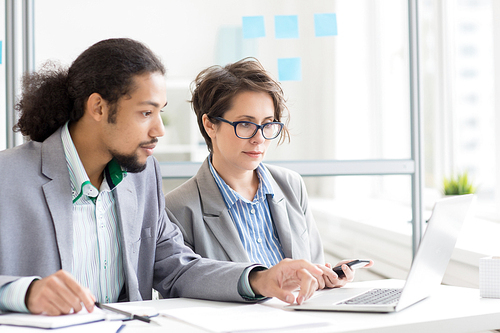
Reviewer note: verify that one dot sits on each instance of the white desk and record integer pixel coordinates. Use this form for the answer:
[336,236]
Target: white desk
[451,309]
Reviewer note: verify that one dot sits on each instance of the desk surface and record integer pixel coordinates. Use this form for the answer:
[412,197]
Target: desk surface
[451,309]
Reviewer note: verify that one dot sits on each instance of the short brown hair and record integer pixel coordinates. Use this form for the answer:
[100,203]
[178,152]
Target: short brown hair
[214,89]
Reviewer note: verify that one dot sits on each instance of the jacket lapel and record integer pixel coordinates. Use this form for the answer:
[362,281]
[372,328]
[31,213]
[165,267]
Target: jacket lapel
[57,193]
[277,206]
[130,230]
[217,217]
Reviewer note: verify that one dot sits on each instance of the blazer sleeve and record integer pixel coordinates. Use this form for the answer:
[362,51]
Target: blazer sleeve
[179,272]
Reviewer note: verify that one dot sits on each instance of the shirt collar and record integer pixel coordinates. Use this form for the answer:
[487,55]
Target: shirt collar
[80,182]
[231,196]
[264,177]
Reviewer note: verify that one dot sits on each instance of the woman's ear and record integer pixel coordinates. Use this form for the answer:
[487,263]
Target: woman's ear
[209,126]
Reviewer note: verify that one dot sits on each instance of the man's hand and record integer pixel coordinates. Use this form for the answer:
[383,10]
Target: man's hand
[58,294]
[288,275]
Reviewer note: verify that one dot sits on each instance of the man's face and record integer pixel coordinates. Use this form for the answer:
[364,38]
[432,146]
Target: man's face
[132,135]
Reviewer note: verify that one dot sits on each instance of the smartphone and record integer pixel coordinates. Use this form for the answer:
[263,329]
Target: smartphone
[352,264]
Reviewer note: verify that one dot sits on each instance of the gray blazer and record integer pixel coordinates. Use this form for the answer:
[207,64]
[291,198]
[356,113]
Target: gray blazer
[199,210]
[36,231]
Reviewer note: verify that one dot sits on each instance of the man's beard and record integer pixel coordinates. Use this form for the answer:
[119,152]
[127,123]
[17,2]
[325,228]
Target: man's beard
[129,163]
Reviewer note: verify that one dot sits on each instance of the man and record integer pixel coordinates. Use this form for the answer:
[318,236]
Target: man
[83,217]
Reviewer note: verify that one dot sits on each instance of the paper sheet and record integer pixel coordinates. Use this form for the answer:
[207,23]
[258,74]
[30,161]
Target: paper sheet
[253,27]
[286,26]
[325,24]
[244,318]
[42,321]
[101,327]
[289,69]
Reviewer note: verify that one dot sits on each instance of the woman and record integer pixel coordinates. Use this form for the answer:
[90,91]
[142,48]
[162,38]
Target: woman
[237,208]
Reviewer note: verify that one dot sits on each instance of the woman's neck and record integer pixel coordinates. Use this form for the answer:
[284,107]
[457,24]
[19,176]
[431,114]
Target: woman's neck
[245,183]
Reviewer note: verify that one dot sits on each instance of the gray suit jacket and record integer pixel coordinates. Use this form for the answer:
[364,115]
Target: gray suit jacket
[198,208]
[36,231]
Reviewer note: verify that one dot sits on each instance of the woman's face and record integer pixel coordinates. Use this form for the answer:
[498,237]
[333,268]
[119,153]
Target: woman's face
[231,154]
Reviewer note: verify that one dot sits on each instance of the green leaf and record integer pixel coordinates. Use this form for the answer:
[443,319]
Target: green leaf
[458,185]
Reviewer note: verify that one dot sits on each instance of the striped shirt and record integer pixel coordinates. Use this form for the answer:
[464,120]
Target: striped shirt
[253,219]
[12,295]
[97,257]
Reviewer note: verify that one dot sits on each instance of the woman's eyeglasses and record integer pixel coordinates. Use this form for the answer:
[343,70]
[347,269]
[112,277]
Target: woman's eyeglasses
[247,129]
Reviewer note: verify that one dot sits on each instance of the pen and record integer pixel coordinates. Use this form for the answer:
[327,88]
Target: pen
[128,314]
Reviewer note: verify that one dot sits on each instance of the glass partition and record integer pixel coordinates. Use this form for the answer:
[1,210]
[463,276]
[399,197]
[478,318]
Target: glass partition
[348,95]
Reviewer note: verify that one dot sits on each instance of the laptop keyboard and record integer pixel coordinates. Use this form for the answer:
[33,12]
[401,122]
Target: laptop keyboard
[376,296]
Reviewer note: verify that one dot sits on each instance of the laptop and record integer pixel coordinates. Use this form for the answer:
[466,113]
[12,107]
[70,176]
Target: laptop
[426,272]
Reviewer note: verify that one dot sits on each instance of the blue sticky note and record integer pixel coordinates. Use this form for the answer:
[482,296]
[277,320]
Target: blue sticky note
[289,69]
[1,52]
[253,27]
[286,26]
[325,24]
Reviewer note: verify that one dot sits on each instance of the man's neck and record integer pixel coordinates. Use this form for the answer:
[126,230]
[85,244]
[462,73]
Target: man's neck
[92,159]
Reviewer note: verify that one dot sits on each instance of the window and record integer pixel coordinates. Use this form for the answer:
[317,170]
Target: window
[458,46]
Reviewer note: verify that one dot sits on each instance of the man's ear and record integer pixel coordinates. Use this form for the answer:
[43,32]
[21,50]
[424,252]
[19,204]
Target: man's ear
[96,107]
[209,126]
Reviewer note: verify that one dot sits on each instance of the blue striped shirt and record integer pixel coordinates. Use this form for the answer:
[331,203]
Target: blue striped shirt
[253,219]
[97,257]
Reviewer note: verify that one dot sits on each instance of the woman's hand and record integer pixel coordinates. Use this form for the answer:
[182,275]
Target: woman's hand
[325,281]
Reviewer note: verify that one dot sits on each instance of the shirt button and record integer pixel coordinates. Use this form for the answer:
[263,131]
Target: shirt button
[252,211]
[259,240]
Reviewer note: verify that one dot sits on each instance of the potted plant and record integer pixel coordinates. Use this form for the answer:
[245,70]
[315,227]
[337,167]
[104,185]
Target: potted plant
[458,185]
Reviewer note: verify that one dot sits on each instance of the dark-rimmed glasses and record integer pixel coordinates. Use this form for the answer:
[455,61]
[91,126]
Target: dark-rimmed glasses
[247,129]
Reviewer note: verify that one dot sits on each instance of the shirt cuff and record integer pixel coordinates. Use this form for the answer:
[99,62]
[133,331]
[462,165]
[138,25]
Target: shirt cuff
[13,294]
[244,288]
